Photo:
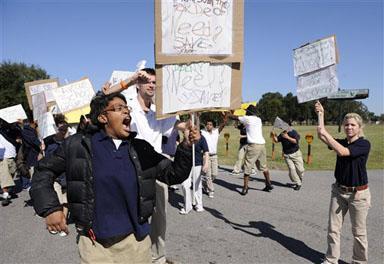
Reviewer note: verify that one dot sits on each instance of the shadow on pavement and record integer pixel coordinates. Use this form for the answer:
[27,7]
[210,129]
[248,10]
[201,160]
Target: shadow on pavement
[274,183]
[267,230]
[228,185]
[237,188]
[225,168]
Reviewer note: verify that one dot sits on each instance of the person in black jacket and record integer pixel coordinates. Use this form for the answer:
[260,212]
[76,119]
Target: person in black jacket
[110,184]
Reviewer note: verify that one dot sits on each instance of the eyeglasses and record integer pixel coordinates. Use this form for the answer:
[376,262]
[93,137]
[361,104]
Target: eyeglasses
[119,108]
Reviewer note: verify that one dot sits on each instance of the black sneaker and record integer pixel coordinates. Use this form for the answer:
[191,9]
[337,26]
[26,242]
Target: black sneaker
[268,188]
[297,187]
[5,202]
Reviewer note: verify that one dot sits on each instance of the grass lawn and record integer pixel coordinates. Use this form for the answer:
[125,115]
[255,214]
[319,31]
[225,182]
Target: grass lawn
[322,157]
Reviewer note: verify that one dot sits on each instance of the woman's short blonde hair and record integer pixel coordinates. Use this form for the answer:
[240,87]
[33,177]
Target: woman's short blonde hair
[358,119]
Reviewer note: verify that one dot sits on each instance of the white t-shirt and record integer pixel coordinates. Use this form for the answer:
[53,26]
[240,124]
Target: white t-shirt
[146,125]
[10,150]
[253,126]
[212,139]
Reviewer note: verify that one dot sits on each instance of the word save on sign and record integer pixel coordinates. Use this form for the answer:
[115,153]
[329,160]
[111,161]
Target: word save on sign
[197,27]
[196,86]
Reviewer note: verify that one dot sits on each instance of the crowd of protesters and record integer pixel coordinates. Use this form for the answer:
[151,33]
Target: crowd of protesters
[111,177]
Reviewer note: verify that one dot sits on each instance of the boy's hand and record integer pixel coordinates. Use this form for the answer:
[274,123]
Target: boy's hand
[56,222]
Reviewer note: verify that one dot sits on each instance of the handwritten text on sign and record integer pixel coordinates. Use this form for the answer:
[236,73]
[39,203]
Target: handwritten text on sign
[46,125]
[197,26]
[318,84]
[74,95]
[38,88]
[13,113]
[196,85]
[314,56]
[39,105]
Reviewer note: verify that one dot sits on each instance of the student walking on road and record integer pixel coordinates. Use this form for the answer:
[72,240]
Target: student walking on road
[255,152]
[289,139]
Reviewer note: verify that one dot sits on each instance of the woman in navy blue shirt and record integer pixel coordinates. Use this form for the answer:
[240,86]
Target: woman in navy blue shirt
[350,192]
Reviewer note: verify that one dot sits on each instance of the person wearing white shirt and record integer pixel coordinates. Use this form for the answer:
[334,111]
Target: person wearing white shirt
[255,151]
[7,168]
[211,135]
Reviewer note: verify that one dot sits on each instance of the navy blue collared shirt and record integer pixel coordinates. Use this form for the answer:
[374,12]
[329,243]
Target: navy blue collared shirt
[351,170]
[116,190]
[288,146]
[200,148]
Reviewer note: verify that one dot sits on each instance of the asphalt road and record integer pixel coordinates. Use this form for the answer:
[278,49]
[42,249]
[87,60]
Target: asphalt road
[283,226]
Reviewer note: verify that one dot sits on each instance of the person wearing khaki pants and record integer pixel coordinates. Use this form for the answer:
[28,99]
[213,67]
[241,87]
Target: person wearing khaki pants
[7,169]
[289,139]
[350,192]
[357,203]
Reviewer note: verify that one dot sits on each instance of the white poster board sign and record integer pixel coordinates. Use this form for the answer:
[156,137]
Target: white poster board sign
[74,95]
[315,56]
[118,76]
[279,123]
[196,27]
[195,86]
[44,87]
[318,84]
[46,125]
[13,113]
[39,105]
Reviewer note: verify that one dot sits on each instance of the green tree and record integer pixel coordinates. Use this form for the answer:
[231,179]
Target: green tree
[291,106]
[12,79]
[270,106]
[217,118]
[306,113]
[337,109]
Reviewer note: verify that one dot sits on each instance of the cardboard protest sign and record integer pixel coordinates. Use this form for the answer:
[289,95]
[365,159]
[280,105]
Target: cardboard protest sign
[315,69]
[244,106]
[35,87]
[73,96]
[39,105]
[46,125]
[315,56]
[279,123]
[196,31]
[182,88]
[13,113]
[118,76]
[199,50]
[318,84]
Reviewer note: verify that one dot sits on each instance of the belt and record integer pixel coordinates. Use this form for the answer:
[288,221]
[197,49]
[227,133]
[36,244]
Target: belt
[352,189]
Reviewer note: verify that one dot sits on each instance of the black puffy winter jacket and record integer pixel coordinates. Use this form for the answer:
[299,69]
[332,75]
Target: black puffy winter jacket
[74,158]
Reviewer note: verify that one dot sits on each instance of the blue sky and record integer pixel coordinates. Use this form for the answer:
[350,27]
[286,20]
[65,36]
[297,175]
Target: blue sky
[71,39]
